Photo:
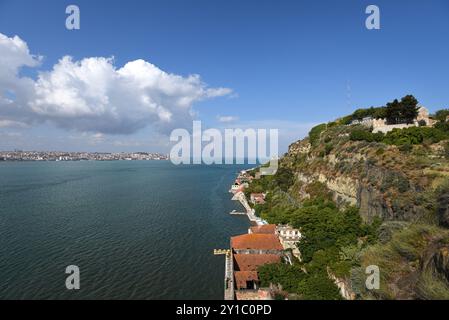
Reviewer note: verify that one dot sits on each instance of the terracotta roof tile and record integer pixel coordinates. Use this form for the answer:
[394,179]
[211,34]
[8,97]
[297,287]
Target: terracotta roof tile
[256,241]
[250,262]
[266,228]
[242,276]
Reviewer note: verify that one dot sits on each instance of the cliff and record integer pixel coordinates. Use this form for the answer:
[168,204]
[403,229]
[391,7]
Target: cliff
[380,179]
[400,189]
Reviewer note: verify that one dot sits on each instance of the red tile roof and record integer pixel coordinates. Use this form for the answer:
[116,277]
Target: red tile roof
[242,276]
[266,228]
[250,262]
[256,241]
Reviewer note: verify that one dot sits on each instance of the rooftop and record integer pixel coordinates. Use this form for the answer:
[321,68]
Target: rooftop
[250,262]
[256,241]
[241,278]
[266,228]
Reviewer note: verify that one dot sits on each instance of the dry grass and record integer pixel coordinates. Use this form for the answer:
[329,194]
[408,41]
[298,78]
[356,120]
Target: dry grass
[399,258]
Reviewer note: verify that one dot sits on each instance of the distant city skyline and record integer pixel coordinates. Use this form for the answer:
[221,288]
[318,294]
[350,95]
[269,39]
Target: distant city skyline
[136,70]
[77,156]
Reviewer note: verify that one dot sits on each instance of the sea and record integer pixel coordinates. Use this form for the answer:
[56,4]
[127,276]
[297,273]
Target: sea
[134,229]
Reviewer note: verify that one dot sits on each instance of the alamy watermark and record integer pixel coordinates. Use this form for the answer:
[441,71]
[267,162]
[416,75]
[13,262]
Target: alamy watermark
[73,21]
[373,279]
[372,22]
[72,282]
[239,146]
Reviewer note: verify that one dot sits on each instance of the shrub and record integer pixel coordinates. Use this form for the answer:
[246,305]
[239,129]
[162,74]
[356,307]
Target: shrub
[318,286]
[407,147]
[422,123]
[443,126]
[372,112]
[414,135]
[441,115]
[315,133]
[364,135]
[328,148]
[284,178]
[380,151]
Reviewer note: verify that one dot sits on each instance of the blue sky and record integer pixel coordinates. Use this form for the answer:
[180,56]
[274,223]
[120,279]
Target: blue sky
[290,64]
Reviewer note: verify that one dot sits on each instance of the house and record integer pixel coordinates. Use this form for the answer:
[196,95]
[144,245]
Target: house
[246,280]
[257,198]
[235,187]
[250,262]
[238,187]
[263,229]
[380,125]
[289,237]
[245,269]
[256,243]
[250,251]
[364,121]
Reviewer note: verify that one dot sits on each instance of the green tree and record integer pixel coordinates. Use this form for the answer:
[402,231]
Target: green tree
[441,115]
[410,108]
[393,112]
[404,111]
[284,178]
[318,286]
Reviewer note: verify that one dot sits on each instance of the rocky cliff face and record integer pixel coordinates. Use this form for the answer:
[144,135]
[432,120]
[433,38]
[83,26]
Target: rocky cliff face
[407,189]
[381,180]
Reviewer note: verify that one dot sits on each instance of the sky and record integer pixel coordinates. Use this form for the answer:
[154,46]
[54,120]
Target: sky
[136,70]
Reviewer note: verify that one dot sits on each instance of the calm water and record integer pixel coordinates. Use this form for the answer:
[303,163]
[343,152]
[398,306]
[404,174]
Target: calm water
[137,230]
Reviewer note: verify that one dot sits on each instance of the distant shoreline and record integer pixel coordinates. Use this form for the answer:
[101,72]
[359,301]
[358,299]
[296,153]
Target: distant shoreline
[83,160]
[19,155]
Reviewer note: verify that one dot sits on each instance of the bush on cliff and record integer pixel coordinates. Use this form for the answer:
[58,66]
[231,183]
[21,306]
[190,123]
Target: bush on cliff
[406,136]
[292,279]
[415,135]
[284,178]
[364,135]
[441,115]
[315,133]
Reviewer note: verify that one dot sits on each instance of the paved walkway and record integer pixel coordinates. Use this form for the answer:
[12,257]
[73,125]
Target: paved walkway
[229,278]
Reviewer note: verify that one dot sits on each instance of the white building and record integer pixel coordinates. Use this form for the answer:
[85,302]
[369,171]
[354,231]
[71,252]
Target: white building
[380,125]
[289,237]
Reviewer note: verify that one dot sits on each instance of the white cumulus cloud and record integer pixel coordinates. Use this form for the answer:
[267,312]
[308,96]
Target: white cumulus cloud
[93,95]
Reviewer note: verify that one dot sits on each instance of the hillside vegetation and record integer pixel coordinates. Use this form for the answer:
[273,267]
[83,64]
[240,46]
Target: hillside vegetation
[362,198]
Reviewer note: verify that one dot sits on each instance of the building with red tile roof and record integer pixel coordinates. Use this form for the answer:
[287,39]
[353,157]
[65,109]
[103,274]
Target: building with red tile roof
[246,280]
[266,228]
[256,242]
[250,262]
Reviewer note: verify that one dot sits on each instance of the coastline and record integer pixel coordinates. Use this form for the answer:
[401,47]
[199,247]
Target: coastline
[250,212]
[264,243]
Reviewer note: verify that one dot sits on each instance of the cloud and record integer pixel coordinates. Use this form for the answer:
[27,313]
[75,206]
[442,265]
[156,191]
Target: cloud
[93,95]
[226,119]
[12,123]
[15,54]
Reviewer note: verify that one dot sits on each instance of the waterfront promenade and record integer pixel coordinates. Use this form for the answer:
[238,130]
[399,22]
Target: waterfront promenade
[240,196]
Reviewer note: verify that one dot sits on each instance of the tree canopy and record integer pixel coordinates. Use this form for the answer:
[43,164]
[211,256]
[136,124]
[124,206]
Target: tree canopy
[404,111]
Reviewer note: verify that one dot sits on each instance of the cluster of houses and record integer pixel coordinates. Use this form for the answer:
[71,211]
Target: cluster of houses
[241,182]
[263,244]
